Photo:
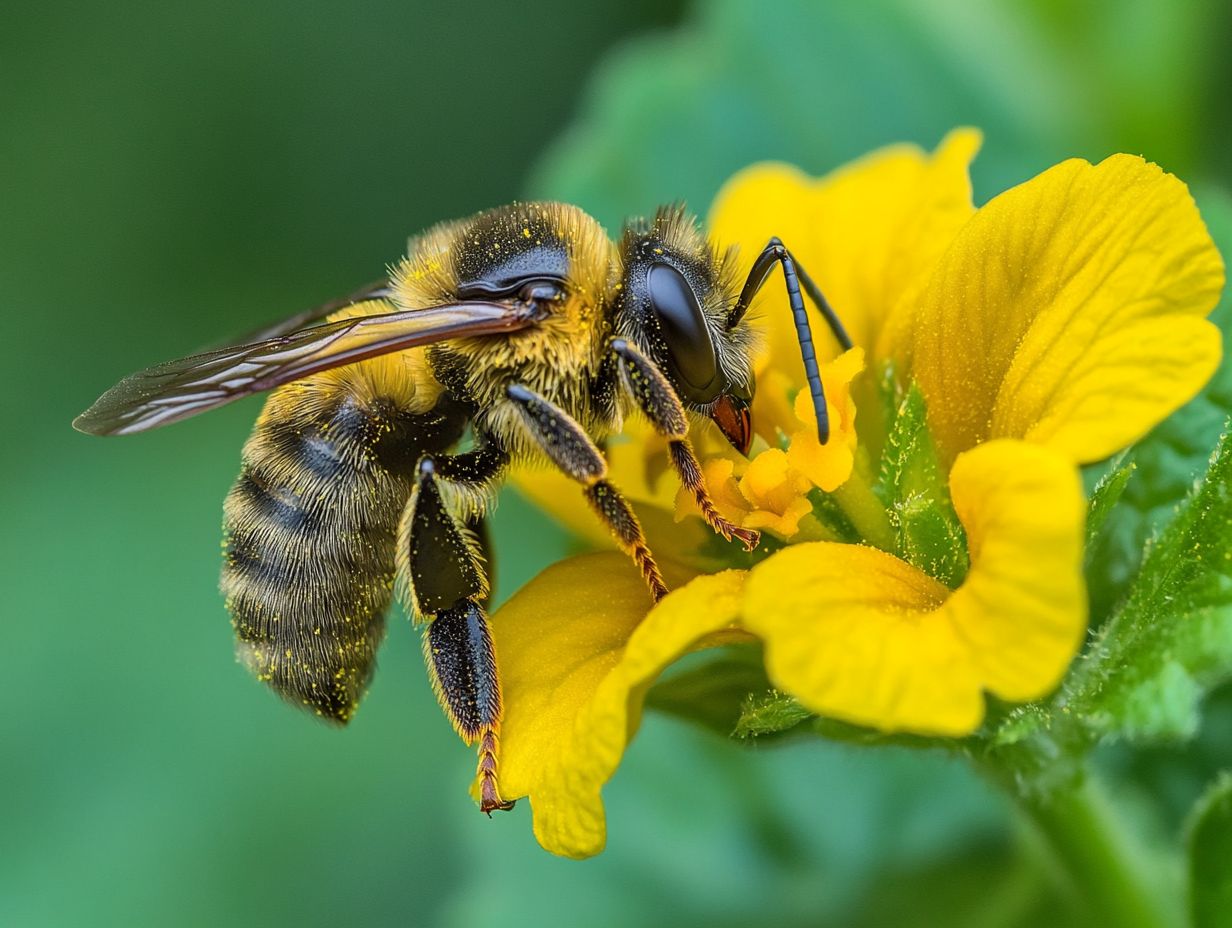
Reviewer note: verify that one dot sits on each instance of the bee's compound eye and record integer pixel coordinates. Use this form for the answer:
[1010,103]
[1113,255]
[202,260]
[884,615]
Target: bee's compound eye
[683,326]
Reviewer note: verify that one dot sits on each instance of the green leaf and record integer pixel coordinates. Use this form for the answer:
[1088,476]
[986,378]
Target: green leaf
[770,713]
[1104,497]
[833,517]
[1146,671]
[774,713]
[1210,857]
[928,534]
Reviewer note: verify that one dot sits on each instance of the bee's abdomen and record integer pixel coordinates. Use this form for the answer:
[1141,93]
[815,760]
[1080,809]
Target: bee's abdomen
[309,534]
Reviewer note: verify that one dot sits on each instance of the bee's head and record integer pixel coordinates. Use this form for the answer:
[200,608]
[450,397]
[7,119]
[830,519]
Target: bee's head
[675,303]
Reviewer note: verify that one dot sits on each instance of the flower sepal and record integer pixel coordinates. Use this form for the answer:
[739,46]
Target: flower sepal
[912,484]
[771,714]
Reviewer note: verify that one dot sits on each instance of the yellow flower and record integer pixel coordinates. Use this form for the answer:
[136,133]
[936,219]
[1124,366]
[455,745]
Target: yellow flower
[858,634]
[1068,311]
[770,491]
[828,466]
[869,233]
[1071,311]
[775,491]
[1053,326]
[574,680]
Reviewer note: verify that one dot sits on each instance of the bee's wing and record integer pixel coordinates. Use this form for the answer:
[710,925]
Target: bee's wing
[377,290]
[175,390]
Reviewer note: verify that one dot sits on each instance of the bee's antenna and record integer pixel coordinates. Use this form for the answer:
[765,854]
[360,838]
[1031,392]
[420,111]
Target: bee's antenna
[776,253]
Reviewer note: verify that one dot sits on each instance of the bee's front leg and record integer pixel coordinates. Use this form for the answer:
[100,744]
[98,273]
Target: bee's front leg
[654,395]
[568,446]
[442,566]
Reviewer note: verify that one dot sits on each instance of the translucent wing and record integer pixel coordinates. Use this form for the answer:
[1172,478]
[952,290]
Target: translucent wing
[176,390]
[377,290]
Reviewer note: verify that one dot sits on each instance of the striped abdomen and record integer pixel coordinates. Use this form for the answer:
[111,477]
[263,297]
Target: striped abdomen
[311,522]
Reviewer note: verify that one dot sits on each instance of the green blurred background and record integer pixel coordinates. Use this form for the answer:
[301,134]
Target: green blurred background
[170,174]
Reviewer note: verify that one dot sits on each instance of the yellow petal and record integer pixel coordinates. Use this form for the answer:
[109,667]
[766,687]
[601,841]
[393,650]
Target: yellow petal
[856,634]
[775,494]
[787,524]
[868,233]
[828,466]
[577,652]
[1069,312]
[769,483]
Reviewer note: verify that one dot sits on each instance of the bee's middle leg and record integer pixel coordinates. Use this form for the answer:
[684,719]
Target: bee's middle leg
[441,562]
[654,395]
[568,446]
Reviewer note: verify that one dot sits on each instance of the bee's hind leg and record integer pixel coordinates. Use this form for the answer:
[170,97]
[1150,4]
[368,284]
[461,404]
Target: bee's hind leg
[442,565]
[458,649]
[656,398]
[568,446]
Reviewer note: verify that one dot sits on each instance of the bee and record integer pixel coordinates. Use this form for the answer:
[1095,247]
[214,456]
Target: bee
[523,328]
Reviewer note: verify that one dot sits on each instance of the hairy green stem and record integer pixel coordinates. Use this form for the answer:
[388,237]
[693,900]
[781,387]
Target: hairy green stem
[1097,857]
[861,505]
